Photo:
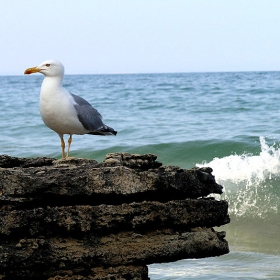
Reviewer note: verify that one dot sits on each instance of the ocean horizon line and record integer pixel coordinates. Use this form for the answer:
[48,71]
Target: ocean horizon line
[156,73]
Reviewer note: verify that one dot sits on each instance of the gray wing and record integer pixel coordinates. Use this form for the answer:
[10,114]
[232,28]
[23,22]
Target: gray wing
[88,116]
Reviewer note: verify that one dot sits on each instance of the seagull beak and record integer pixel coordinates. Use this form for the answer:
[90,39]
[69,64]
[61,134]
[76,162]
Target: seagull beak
[32,70]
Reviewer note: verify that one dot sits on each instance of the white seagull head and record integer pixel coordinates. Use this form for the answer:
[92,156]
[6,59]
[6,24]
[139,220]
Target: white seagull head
[50,68]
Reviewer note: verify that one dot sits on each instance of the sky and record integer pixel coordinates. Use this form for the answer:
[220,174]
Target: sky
[140,36]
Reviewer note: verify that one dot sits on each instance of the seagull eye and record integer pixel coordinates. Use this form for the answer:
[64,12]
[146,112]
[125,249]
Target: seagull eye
[48,65]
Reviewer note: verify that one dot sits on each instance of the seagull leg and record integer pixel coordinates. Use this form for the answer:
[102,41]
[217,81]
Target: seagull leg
[62,145]
[69,144]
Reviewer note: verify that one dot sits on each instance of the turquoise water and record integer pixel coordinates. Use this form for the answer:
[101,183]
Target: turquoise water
[228,121]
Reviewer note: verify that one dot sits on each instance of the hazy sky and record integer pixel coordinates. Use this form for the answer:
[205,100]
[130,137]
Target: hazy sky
[139,36]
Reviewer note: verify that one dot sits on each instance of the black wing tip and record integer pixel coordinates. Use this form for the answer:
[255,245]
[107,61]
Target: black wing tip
[110,132]
[104,130]
[109,129]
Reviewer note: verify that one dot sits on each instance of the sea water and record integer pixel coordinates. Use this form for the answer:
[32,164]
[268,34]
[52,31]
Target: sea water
[228,121]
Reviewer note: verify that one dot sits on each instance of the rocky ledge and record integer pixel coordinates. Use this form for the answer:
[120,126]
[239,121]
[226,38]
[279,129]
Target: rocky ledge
[80,219]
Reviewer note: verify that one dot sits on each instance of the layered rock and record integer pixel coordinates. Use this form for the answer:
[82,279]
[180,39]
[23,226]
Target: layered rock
[79,219]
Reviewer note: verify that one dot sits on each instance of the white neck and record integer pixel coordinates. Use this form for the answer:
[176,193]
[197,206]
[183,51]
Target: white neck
[51,83]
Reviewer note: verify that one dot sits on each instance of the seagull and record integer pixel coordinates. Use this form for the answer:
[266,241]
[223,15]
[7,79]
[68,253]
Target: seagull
[65,112]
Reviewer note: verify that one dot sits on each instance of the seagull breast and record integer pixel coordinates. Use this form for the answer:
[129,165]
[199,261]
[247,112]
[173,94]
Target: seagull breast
[58,111]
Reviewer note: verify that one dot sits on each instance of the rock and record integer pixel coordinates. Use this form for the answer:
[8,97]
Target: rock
[79,219]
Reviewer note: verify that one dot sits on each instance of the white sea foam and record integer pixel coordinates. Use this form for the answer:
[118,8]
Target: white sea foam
[247,167]
[248,180]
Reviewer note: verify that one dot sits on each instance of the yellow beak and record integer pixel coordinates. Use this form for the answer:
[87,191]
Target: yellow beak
[32,70]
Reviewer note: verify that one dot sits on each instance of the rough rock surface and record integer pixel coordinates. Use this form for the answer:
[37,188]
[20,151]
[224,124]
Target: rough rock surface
[79,219]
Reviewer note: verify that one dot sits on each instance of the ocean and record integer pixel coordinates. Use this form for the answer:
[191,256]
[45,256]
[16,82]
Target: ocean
[228,121]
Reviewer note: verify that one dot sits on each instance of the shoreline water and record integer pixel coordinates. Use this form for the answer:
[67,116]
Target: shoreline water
[228,121]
